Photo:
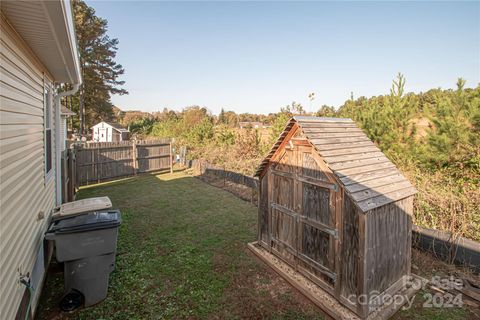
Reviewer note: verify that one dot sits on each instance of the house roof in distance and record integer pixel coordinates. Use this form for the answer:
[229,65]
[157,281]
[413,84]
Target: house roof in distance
[366,174]
[114,125]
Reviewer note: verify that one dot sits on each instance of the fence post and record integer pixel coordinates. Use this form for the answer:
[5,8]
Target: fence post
[72,175]
[98,164]
[134,157]
[171,160]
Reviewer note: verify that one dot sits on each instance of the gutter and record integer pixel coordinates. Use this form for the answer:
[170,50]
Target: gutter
[76,81]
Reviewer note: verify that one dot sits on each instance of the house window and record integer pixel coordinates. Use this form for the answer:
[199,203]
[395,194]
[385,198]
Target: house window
[47,114]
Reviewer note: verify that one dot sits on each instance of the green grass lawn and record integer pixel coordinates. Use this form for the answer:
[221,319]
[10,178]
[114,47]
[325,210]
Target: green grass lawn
[182,254]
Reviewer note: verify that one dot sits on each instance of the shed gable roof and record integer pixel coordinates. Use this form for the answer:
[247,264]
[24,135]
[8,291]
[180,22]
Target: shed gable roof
[367,175]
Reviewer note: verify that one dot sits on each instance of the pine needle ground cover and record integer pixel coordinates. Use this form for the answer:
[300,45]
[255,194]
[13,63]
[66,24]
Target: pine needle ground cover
[182,254]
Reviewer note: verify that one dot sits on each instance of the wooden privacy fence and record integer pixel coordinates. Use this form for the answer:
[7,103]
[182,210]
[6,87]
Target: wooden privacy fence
[101,161]
[69,169]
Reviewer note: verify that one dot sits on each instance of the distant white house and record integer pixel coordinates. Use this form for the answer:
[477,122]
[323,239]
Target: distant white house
[109,132]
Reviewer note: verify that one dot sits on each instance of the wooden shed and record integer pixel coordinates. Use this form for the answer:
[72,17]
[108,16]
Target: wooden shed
[333,207]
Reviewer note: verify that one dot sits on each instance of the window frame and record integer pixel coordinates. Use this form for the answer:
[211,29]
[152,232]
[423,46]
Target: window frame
[48,126]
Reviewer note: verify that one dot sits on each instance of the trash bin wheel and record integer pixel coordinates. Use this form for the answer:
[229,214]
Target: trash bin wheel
[71,301]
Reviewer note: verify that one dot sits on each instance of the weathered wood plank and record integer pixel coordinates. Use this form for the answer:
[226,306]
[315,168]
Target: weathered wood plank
[154,156]
[316,203]
[283,209]
[329,135]
[320,226]
[319,267]
[386,198]
[346,145]
[369,184]
[358,163]
[370,193]
[359,156]
[361,177]
[349,151]
[329,124]
[364,169]
[319,183]
[320,129]
[320,139]
[310,168]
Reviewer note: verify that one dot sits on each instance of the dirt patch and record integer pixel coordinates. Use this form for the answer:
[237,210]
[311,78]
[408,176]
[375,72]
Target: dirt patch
[427,266]
[256,292]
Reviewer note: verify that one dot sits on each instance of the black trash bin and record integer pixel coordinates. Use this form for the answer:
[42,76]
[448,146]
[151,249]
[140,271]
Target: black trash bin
[87,244]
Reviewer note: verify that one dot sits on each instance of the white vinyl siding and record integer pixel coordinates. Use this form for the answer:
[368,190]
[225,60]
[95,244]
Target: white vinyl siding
[23,191]
[47,125]
[63,133]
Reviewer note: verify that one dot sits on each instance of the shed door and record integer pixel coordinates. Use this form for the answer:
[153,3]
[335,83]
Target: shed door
[302,213]
[316,227]
[282,201]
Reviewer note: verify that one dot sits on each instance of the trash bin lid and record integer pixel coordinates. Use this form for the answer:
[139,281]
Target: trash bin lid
[91,221]
[81,207]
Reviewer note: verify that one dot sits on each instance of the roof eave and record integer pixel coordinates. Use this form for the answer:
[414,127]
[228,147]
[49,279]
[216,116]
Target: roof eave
[65,38]
[47,27]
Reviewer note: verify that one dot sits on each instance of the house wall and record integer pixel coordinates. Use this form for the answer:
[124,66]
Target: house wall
[26,196]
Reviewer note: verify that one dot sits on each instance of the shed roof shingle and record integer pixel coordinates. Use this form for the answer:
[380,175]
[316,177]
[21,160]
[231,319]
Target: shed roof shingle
[367,175]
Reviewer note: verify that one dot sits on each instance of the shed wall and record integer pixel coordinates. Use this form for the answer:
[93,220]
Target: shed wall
[23,189]
[263,211]
[388,244]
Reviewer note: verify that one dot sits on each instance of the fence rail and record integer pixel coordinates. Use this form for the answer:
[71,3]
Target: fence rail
[102,161]
[201,167]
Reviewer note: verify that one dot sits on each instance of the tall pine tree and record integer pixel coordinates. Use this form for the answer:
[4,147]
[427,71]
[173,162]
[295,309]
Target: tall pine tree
[100,72]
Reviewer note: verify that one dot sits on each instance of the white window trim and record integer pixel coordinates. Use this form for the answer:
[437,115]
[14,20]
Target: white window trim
[50,174]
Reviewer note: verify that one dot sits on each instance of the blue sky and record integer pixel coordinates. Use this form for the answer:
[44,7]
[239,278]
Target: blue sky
[259,56]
